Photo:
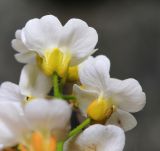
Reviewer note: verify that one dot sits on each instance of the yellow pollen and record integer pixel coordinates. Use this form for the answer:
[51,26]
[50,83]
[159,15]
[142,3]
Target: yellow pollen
[100,110]
[73,74]
[54,61]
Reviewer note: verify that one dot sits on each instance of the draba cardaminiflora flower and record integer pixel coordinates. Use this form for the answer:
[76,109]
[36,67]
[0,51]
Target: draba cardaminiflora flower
[52,46]
[37,126]
[97,138]
[105,99]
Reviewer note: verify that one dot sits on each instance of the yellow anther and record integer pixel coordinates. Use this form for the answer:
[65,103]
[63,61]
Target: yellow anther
[54,61]
[73,74]
[100,110]
[39,142]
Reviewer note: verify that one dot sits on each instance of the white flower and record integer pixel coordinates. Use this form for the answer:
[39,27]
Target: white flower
[53,46]
[38,126]
[104,98]
[97,138]
[33,84]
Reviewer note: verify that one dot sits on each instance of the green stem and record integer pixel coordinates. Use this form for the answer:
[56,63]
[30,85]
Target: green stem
[69,97]
[56,86]
[79,128]
[60,146]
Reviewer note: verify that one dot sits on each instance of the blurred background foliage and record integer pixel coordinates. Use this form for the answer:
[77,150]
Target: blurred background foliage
[129,34]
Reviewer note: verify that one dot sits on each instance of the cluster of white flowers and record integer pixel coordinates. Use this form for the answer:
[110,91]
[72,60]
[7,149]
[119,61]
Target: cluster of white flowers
[35,115]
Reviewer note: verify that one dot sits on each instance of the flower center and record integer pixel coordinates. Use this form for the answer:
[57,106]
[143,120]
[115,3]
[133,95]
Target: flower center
[100,110]
[54,61]
[39,143]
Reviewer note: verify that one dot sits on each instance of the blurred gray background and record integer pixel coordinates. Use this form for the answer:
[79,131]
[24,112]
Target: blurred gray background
[129,34]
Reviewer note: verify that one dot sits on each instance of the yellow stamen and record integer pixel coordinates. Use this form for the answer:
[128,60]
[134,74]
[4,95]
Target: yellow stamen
[100,110]
[52,144]
[54,61]
[73,74]
[39,142]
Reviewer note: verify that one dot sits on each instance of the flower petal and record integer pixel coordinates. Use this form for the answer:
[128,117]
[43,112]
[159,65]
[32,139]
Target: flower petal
[99,138]
[33,82]
[18,34]
[17,43]
[26,57]
[122,119]
[78,38]
[7,138]
[12,115]
[49,115]
[94,73]
[127,94]
[10,92]
[19,46]
[84,98]
[41,34]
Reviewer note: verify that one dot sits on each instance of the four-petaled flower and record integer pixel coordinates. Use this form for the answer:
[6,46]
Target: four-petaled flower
[107,99]
[54,47]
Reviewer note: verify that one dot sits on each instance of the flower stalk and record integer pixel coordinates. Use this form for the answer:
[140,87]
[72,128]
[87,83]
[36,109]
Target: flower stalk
[60,146]
[79,128]
[56,89]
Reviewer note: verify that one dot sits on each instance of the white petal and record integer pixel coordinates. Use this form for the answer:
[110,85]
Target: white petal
[76,61]
[84,98]
[19,46]
[7,138]
[49,115]
[41,34]
[122,119]
[78,38]
[99,138]
[10,92]
[18,34]
[13,117]
[33,82]
[94,73]
[26,57]
[127,94]
[17,43]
